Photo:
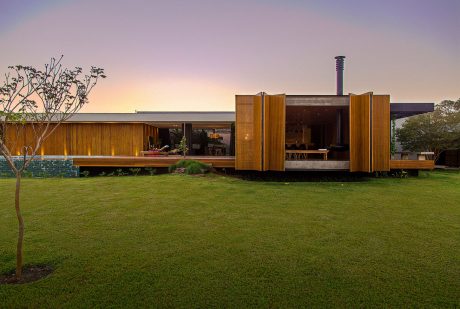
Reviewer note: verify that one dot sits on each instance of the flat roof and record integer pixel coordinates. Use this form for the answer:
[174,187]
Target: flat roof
[403,110]
[398,110]
[147,117]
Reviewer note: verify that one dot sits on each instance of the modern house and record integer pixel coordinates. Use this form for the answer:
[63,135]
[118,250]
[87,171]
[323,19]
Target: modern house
[265,133]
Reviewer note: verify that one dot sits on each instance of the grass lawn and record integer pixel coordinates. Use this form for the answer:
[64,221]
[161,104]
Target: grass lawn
[184,241]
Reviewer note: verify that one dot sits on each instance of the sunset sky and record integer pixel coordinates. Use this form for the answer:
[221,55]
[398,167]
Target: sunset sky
[196,55]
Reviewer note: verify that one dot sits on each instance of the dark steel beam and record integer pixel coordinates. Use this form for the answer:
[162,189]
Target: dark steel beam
[403,110]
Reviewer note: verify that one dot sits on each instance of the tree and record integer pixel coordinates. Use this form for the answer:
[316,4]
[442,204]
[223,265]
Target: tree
[38,102]
[435,131]
[183,146]
[393,136]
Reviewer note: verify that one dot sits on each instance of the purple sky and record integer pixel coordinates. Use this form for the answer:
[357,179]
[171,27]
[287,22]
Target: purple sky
[196,55]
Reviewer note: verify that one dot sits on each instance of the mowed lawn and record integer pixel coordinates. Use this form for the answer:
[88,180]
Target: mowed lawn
[197,242]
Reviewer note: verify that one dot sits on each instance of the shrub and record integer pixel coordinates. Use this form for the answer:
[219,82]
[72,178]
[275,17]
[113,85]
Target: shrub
[135,171]
[399,174]
[151,171]
[120,172]
[197,168]
[191,167]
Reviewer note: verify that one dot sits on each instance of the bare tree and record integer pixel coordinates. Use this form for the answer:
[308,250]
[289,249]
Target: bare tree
[38,102]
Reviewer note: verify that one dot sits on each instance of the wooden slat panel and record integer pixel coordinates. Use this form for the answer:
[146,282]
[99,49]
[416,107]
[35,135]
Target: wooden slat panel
[248,142]
[14,137]
[73,139]
[150,131]
[274,132]
[121,134]
[108,144]
[147,132]
[138,138]
[19,136]
[96,138]
[81,144]
[360,140]
[49,145]
[380,133]
[412,164]
[83,139]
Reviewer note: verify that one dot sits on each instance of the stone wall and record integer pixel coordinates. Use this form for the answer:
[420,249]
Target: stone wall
[43,168]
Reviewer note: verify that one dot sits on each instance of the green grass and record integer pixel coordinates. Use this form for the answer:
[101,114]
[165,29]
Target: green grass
[184,241]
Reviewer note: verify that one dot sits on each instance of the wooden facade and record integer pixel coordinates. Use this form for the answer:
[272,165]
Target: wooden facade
[381,133]
[157,161]
[369,133]
[411,164]
[274,132]
[360,133]
[248,129]
[260,132]
[85,139]
[260,135]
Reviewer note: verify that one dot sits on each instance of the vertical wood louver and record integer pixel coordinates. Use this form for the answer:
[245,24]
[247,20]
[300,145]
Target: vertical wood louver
[248,128]
[380,133]
[274,132]
[360,132]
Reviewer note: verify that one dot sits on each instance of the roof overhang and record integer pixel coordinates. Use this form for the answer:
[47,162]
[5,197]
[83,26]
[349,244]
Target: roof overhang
[317,100]
[397,110]
[403,110]
[156,117]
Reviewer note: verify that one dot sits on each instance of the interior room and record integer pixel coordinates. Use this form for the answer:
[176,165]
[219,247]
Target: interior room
[212,140]
[169,134]
[203,139]
[317,133]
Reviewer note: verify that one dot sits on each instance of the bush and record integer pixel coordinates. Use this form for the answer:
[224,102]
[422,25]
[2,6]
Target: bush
[135,171]
[191,167]
[120,172]
[151,171]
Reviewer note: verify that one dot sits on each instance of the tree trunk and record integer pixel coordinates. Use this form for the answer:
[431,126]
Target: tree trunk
[19,251]
[436,155]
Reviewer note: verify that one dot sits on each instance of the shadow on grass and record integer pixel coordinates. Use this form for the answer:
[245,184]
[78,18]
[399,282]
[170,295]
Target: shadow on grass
[30,273]
[297,176]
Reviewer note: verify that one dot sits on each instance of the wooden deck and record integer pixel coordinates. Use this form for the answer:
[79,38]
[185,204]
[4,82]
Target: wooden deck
[412,164]
[159,161]
[215,161]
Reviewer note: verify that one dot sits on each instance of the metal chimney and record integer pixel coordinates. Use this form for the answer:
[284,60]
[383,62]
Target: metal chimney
[339,60]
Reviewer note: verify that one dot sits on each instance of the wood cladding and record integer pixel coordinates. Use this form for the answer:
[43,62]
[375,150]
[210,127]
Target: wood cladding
[160,161]
[274,132]
[85,139]
[260,132]
[381,133]
[150,131]
[412,164]
[248,129]
[360,133]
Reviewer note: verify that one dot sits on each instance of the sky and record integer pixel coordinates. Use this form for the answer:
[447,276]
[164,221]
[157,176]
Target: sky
[190,55]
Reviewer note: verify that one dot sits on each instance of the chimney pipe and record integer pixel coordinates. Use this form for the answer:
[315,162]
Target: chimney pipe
[339,60]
